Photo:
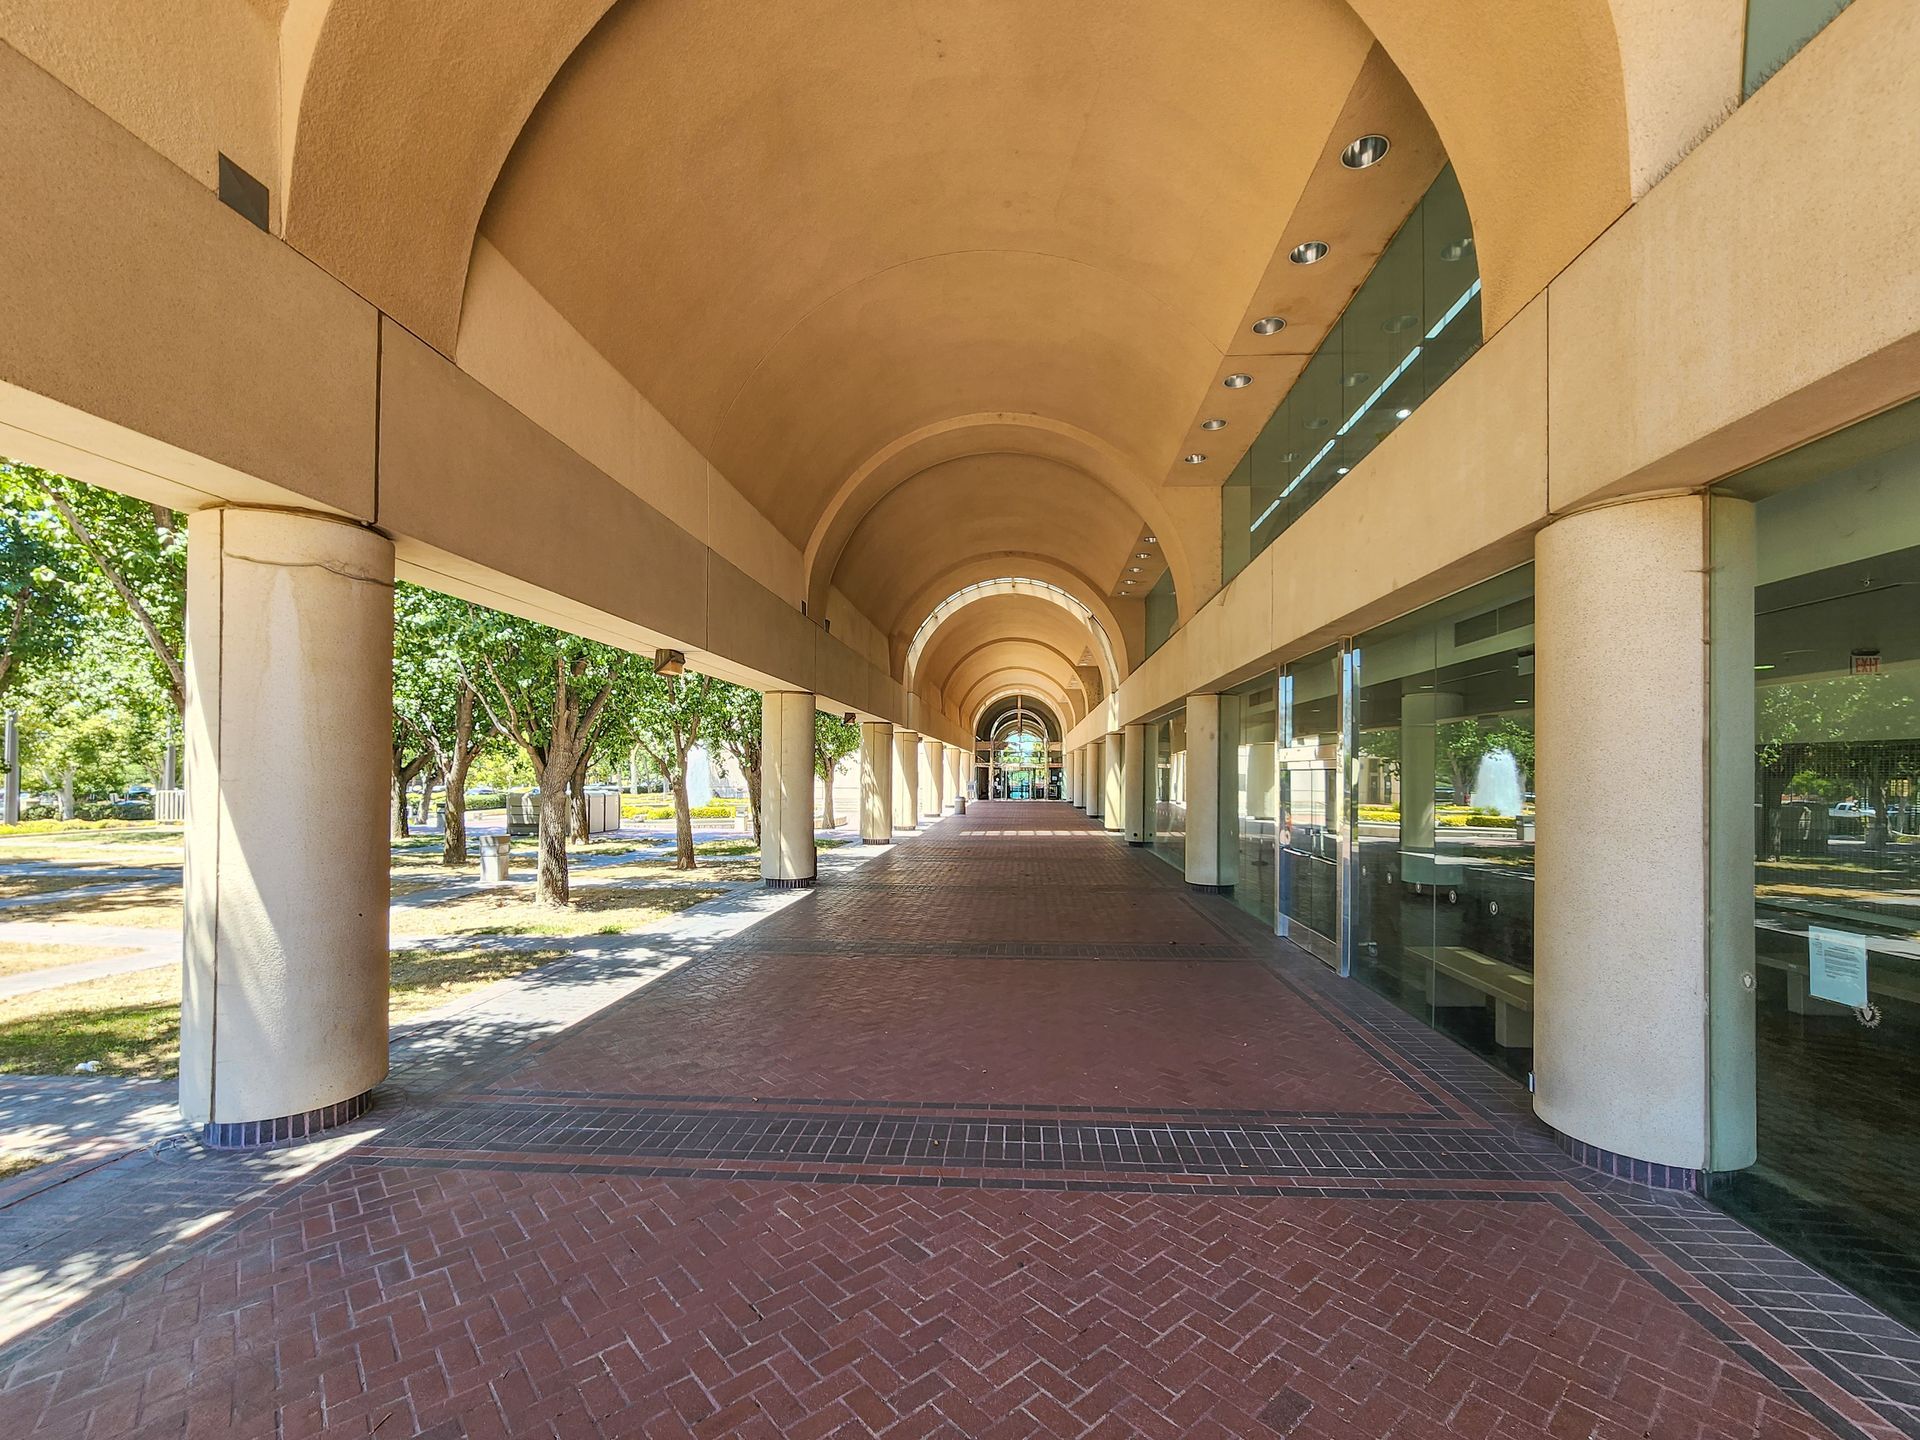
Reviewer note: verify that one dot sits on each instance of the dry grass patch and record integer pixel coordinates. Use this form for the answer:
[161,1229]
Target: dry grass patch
[130,1023]
[596,910]
[18,958]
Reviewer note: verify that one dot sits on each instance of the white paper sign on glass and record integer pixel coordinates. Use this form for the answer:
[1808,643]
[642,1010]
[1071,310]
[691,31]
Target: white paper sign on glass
[1838,966]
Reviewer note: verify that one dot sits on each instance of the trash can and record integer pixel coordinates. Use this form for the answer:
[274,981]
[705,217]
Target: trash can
[495,853]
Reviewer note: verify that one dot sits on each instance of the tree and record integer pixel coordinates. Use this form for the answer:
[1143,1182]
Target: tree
[833,740]
[434,705]
[42,608]
[138,549]
[666,723]
[734,721]
[95,722]
[546,692]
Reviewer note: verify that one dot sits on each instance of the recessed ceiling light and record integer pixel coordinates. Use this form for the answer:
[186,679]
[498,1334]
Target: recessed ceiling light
[1367,150]
[1401,414]
[1269,325]
[1216,423]
[1143,554]
[1133,570]
[1237,382]
[1194,459]
[1310,252]
[1341,471]
[1149,539]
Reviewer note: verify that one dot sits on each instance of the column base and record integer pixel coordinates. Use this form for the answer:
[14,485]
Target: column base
[246,1134]
[803,883]
[1138,844]
[887,841]
[1624,1167]
[1199,889]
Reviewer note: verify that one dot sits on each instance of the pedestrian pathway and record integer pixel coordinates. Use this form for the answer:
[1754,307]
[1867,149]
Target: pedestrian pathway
[1001,1133]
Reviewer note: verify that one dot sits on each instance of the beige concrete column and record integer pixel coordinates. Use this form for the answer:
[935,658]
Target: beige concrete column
[1205,798]
[1113,781]
[1133,785]
[788,859]
[957,762]
[930,778]
[876,783]
[1621,949]
[906,780]
[283,1014]
[1071,782]
[1096,778]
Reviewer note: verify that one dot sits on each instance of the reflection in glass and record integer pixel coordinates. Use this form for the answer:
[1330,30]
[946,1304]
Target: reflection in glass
[1163,611]
[1406,330]
[1836,793]
[1167,790]
[1249,731]
[1309,839]
[1443,816]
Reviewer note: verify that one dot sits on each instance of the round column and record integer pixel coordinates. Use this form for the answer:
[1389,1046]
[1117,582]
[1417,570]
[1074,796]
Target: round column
[1133,784]
[283,1013]
[1096,778]
[788,859]
[930,778]
[1113,781]
[906,780]
[1071,767]
[1205,852]
[876,783]
[956,764]
[1623,1019]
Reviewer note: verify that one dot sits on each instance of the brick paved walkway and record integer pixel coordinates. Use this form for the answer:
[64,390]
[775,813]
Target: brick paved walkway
[1003,1134]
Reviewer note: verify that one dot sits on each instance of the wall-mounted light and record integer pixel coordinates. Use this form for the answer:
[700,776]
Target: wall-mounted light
[668,662]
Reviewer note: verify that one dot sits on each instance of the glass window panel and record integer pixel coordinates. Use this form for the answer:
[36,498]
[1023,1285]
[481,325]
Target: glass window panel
[1443,816]
[1309,834]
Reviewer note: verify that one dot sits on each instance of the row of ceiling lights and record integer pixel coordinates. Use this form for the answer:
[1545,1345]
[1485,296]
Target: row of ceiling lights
[1367,151]
[1127,585]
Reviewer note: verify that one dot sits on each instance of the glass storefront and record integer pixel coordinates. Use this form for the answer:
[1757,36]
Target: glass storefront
[1833,950]
[1442,794]
[1166,778]
[1776,29]
[1249,737]
[1309,767]
[1412,322]
[1163,611]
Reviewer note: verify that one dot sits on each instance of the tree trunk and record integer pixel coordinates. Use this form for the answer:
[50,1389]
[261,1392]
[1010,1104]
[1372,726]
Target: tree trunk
[425,812]
[554,814]
[67,808]
[827,786]
[453,850]
[753,799]
[682,822]
[582,822]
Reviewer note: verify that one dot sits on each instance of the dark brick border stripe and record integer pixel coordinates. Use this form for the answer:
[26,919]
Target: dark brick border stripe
[799,882]
[244,1134]
[800,948]
[1625,1167]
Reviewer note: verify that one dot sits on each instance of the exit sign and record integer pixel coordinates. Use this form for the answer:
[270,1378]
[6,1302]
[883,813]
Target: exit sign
[1866,662]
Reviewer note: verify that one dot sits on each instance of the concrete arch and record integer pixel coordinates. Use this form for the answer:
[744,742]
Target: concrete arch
[1102,646]
[1016,681]
[1014,564]
[1007,692]
[988,659]
[989,433]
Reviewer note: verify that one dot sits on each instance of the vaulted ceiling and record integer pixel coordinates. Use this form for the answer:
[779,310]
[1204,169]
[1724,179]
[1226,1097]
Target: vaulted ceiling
[946,289]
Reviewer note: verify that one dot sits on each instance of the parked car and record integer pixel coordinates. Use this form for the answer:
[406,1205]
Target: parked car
[1851,810]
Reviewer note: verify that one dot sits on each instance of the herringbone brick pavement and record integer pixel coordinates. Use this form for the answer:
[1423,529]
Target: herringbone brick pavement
[920,1156]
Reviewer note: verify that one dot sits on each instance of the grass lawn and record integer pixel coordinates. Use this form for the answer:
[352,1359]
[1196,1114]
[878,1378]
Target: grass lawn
[21,959]
[131,1023]
[596,910]
[16,887]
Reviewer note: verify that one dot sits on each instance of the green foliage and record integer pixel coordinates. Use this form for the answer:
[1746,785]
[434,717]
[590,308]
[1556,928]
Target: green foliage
[102,715]
[833,740]
[42,607]
[133,556]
